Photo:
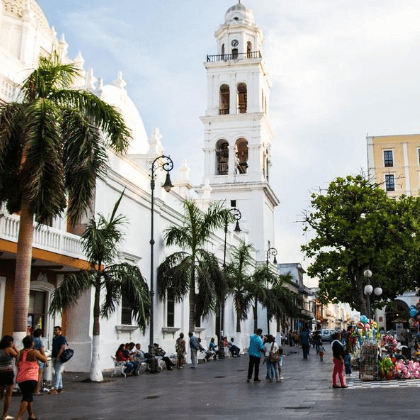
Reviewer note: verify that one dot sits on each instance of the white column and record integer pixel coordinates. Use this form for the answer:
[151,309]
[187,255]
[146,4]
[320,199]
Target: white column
[233,95]
[231,157]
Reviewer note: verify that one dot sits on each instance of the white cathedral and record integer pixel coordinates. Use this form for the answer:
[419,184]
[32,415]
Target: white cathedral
[237,142]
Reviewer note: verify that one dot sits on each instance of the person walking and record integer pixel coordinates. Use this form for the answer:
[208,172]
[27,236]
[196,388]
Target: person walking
[27,377]
[194,347]
[8,352]
[256,346]
[58,346]
[338,358]
[180,348]
[304,340]
[272,358]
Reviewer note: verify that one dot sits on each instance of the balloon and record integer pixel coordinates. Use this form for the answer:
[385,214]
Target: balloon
[364,319]
[413,311]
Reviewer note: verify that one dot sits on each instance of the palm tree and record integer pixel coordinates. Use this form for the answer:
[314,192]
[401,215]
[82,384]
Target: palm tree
[100,242]
[52,149]
[181,271]
[282,301]
[239,277]
[262,280]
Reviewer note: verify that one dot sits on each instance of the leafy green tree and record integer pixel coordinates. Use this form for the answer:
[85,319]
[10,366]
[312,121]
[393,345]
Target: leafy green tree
[100,242]
[356,226]
[182,271]
[52,149]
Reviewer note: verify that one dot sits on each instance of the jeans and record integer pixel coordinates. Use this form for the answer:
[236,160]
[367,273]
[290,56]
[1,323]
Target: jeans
[129,366]
[194,357]
[267,362]
[58,379]
[274,370]
[254,364]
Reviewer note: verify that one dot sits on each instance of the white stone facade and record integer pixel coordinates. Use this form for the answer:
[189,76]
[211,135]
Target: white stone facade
[25,35]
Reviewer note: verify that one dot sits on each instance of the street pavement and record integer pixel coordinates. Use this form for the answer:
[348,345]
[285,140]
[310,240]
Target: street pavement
[219,391]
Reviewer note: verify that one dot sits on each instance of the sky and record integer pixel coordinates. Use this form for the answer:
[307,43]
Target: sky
[341,70]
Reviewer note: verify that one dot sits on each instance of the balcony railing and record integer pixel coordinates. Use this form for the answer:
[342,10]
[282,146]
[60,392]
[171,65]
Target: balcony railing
[237,56]
[46,238]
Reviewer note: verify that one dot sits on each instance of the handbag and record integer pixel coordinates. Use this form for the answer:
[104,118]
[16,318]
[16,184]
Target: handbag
[274,355]
[67,354]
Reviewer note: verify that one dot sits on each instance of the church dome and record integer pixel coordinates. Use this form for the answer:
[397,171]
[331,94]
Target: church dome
[239,14]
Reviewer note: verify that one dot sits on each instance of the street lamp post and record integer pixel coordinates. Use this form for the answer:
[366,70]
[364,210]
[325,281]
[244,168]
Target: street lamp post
[272,251]
[369,289]
[237,215]
[164,162]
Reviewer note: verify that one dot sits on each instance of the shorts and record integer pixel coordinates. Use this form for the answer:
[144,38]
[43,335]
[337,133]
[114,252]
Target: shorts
[7,377]
[28,389]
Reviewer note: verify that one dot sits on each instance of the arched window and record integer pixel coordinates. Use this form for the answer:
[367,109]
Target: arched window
[249,49]
[241,156]
[222,157]
[242,98]
[224,100]
[234,53]
[223,50]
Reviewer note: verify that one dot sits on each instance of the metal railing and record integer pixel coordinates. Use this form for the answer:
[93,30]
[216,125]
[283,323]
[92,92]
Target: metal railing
[236,56]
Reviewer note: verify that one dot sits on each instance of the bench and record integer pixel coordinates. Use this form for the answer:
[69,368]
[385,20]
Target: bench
[118,366]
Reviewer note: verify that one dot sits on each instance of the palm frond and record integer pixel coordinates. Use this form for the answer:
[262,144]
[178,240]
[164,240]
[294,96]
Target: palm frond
[84,161]
[50,76]
[102,115]
[102,236]
[42,169]
[70,290]
[126,280]
[12,123]
[174,273]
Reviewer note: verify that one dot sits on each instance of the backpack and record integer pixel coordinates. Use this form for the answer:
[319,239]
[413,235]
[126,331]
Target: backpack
[274,355]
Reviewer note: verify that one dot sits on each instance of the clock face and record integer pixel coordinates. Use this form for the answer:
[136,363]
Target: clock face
[235,43]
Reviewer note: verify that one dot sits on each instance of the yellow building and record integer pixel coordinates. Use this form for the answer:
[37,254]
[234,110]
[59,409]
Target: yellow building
[394,162]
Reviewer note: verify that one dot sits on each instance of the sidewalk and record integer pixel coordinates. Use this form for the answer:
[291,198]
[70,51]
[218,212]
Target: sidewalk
[219,391]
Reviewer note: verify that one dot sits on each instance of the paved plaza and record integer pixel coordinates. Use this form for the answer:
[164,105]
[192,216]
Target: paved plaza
[218,391]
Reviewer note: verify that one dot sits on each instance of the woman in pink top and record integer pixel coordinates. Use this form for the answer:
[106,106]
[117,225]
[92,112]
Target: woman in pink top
[27,377]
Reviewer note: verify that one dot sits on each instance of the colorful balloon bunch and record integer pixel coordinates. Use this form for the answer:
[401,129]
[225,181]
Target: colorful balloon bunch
[368,328]
[414,315]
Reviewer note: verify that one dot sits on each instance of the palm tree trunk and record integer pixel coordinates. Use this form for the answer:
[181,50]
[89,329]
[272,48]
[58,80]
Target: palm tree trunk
[191,325]
[238,322]
[95,366]
[23,273]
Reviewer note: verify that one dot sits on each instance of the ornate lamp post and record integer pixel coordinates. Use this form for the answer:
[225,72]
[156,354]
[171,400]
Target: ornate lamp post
[219,326]
[272,251]
[164,162]
[369,289]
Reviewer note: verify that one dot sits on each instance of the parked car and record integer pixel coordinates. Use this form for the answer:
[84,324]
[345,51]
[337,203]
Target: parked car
[326,335]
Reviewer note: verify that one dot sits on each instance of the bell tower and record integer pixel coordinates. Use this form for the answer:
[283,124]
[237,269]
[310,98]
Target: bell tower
[237,128]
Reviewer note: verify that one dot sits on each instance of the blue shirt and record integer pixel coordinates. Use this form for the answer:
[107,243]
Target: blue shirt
[194,343]
[255,345]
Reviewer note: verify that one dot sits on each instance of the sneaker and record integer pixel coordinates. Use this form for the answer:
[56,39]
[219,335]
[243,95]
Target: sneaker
[53,392]
[257,380]
[281,378]
[60,390]
[336,386]
[343,386]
